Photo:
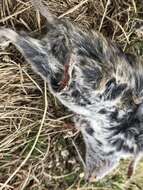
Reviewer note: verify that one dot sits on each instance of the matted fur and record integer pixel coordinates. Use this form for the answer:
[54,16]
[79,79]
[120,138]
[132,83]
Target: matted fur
[102,87]
[108,91]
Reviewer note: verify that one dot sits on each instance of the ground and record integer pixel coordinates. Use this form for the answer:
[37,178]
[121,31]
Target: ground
[37,150]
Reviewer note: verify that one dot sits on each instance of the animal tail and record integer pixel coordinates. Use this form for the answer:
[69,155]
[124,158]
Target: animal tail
[31,49]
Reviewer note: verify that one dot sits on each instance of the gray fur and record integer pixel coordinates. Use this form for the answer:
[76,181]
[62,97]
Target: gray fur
[104,88]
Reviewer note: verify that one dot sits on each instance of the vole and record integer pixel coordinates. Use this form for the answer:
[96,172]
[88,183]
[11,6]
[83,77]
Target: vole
[96,80]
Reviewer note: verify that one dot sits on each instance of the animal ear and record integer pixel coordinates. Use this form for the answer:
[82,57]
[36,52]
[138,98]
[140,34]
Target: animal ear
[92,158]
[99,159]
[30,48]
[90,164]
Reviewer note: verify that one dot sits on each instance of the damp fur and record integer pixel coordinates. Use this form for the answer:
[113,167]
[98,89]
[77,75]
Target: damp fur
[102,86]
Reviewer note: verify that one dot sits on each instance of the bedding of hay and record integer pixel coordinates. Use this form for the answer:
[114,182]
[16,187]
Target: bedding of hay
[37,151]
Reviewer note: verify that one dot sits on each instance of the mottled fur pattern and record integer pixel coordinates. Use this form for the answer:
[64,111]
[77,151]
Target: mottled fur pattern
[104,88]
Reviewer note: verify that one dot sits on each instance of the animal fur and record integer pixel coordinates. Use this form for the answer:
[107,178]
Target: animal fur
[96,80]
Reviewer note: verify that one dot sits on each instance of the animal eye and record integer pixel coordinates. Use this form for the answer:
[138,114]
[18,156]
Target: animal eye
[89,130]
[102,111]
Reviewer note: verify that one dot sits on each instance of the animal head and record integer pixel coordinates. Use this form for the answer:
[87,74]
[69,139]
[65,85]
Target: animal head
[115,133]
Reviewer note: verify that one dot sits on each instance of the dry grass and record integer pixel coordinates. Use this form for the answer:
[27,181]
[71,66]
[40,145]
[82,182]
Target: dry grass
[36,151]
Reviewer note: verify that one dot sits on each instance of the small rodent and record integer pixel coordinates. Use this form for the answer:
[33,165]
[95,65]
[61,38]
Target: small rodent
[97,81]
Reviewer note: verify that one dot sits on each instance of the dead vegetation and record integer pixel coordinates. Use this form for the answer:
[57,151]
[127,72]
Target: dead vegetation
[36,151]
